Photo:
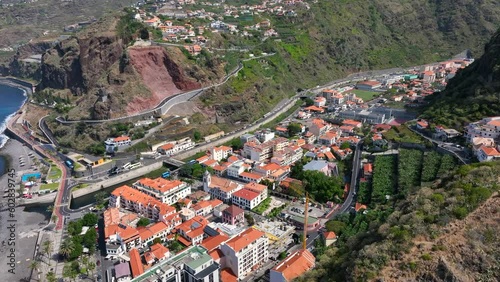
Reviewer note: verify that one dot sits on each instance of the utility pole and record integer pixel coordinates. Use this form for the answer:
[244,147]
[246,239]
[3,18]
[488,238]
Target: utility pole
[306,214]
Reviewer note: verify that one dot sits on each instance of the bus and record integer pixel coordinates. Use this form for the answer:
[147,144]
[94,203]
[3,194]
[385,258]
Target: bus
[69,164]
[166,174]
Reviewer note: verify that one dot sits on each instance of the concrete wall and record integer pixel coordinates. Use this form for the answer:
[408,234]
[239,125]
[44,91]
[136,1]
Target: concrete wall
[120,178]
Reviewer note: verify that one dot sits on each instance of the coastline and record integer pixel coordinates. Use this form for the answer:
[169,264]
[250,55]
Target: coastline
[27,91]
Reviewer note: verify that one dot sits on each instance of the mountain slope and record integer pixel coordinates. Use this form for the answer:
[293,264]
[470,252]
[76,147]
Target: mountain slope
[423,236]
[473,93]
[334,38]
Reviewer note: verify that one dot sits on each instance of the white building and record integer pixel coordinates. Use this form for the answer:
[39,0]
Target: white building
[246,252]
[221,152]
[219,188]
[236,168]
[487,127]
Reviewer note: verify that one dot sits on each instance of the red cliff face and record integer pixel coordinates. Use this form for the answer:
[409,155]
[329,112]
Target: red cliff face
[160,74]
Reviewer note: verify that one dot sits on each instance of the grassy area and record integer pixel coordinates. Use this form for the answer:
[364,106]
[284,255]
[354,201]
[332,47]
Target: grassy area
[365,95]
[80,186]
[50,186]
[283,116]
[156,173]
[403,134]
[54,173]
[262,207]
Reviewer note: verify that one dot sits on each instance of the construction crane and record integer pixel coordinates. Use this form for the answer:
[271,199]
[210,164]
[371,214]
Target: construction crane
[306,214]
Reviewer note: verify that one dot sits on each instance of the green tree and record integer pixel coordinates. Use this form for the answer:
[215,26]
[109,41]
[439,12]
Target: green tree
[157,240]
[69,272]
[143,222]
[197,135]
[294,129]
[99,197]
[90,238]
[345,145]
[91,267]
[66,248]
[144,33]
[250,219]
[90,219]
[309,102]
[75,227]
[282,255]
[51,277]
[47,248]
[34,264]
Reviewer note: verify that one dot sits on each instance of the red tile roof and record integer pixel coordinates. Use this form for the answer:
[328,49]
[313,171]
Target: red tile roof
[136,263]
[244,239]
[246,194]
[295,264]
[214,242]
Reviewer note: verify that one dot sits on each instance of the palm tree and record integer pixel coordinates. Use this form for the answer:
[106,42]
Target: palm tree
[51,277]
[66,248]
[34,265]
[47,248]
[91,267]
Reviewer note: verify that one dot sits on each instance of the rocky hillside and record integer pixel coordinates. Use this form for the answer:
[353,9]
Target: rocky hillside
[104,77]
[467,250]
[334,38]
[473,93]
[441,231]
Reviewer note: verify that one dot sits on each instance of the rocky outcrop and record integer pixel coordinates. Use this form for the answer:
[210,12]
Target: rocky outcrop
[78,63]
[160,74]
[23,64]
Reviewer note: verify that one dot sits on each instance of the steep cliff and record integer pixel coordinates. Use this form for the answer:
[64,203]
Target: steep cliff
[473,93]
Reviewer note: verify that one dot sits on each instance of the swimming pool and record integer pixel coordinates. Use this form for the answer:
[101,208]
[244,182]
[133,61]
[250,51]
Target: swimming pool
[27,176]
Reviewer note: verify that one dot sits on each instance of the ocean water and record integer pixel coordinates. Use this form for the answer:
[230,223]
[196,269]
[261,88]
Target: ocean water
[11,99]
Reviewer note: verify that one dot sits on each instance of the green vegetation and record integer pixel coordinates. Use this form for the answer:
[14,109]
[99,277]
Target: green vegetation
[143,221]
[320,187]
[50,186]
[384,179]
[367,242]
[249,218]
[472,94]
[448,162]
[280,118]
[276,211]
[364,192]
[72,247]
[54,173]
[409,169]
[294,129]
[402,134]
[365,95]
[263,206]
[432,161]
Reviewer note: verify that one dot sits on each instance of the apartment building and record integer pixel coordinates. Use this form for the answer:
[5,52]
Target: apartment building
[319,127]
[131,199]
[264,151]
[219,188]
[236,168]
[221,152]
[257,188]
[246,199]
[487,127]
[265,135]
[167,191]
[246,252]
[191,232]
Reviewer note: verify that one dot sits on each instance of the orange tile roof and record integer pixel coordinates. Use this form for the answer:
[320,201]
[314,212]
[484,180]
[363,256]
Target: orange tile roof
[121,138]
[211,163]
[330,235]
[216,254]
[359,206]
[490,151]
[368,168]
[227,275]
[160,184]
[244,239]
[111,216]
[215,203]
[184,241]
[167,147]
[271,166]
[232,159]
[259,188]
[203,159]
[136,196]
[351,122]
[251,175]
[295,264]
[495,122]
[246,194]
[136,263]
[223,148]
[159,251]
[314,109]
[223,184]
[214,242]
